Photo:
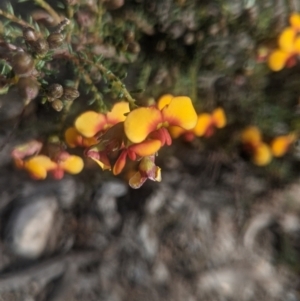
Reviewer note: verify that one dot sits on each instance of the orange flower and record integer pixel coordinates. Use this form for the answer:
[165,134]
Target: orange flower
[152,121]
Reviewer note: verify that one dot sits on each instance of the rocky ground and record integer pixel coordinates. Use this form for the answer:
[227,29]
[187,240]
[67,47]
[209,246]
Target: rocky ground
[212,230]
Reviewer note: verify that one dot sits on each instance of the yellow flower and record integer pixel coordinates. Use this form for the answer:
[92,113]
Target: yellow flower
[280,145]
[205,126]
[171,111]
[91,123]
[289,46]
[259,151]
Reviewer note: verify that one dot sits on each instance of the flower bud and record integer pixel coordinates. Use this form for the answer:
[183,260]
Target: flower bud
[40,46]
[55,40]
[22,63]
[57,105]
[28,88]
[70,94]
[55,91]
[29,34]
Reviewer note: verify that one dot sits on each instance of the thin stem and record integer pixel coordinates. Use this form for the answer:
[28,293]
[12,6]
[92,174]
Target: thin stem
[49,9]
[14,18]
[111,77]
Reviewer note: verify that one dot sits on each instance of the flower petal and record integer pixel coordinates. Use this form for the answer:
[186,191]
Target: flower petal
[281,144]
[203,123]
[164,100]
[162,135]
[27,149]
[251,135]
[176,131]
[286,40]
[90,123]
[277,60]
[297,45]
[73,164]
[137,180]
[295,21]
[71,137]
[146,148]
[117,113]
[38,166]
[219,118]
[262,155]
[180,112]
[158,174]
[120,163]
[141,122]
[101,164]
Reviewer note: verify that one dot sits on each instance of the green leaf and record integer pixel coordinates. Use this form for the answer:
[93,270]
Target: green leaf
[10,9]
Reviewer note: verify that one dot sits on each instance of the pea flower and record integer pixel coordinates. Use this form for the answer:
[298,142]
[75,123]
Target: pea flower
[146,170]
[281,144]
[39,166]
[289,46]
[205,126]
[73,139]
[26,156]
[153,121]
[259,151]
[92,123]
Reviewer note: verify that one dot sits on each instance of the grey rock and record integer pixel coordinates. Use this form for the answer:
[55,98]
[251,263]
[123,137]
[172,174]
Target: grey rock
[114,188]
[31,226]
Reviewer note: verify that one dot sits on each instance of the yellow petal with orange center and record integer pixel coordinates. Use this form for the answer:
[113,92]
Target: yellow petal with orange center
[164,100]
[180,112]
[277,60]
[262,155]
[251,135]
[73,164]
[286,40]
[219,118]
[146,148]
[141,122]
[176,131]
[117,113]
[90,123]
[203,123]
[281,144]
[295,21]
[39,165]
